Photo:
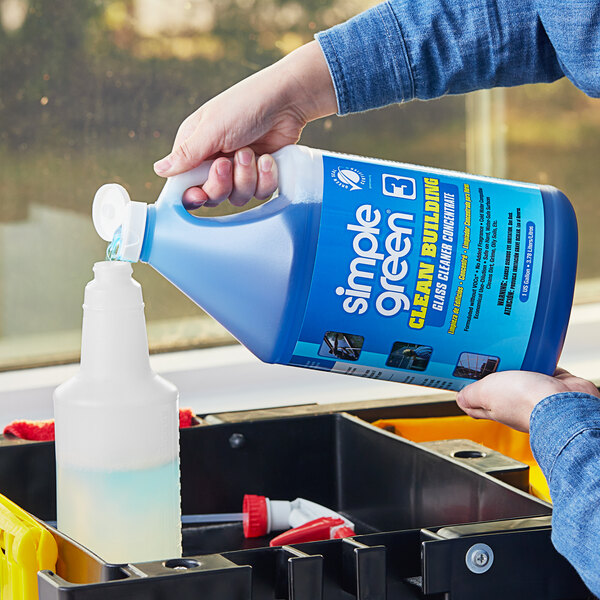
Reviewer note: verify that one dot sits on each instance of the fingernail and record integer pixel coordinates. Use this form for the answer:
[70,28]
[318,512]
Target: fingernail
[223,168]
[194,205]
[162,166]
[265,163]
[245,157]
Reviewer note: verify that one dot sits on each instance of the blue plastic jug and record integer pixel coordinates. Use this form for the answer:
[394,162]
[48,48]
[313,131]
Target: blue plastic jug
[369,267]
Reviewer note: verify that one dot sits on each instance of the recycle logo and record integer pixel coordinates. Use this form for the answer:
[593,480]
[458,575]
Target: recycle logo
[348,178]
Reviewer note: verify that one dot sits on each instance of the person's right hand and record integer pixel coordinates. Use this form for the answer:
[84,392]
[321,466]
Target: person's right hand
[256,116]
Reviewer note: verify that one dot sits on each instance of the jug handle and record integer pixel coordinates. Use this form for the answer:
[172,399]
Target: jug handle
[172,192]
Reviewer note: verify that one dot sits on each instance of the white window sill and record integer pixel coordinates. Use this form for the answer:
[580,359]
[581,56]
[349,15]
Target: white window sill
[230,378]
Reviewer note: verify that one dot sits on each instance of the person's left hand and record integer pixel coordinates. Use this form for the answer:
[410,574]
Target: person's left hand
[510,396]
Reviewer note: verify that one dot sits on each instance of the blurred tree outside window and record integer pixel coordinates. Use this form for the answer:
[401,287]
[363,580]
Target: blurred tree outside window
[93,91]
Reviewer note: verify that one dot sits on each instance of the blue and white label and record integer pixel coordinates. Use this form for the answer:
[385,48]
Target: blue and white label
[421,277]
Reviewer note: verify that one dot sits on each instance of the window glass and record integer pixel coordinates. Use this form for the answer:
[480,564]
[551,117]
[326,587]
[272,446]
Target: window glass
[92,91]
[553,137]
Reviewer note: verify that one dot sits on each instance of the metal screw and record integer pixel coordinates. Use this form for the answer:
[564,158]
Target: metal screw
[479,558]
[237,441]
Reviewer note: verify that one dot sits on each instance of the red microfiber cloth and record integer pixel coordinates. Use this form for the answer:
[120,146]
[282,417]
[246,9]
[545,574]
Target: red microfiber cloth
[43,431]
[186,418]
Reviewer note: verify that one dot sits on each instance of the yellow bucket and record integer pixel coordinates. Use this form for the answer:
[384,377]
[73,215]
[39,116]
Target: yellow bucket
[27,547]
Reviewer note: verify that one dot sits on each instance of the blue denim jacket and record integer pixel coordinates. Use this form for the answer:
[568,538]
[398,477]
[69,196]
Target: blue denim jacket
[406,49]
[565,439]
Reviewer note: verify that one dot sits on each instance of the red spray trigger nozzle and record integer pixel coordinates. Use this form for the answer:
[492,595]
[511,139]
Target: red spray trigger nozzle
[324,528]
[343,532]
[256,519]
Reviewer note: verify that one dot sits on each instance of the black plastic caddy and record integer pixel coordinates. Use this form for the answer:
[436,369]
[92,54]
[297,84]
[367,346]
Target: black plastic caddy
[430,524]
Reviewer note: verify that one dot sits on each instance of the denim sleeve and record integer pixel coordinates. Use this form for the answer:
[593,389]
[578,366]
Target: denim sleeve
[574,30]
[405,49]
[565,439]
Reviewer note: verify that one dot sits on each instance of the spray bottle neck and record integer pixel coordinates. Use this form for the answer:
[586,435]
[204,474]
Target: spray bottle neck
[114,340]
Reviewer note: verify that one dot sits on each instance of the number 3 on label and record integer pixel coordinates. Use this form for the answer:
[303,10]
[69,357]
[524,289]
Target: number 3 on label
[398,187]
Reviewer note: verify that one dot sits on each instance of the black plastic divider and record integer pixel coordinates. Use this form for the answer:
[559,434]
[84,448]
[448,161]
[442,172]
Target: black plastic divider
[282,573]
[356,570]
[27,476]
[337,584]
[214,577]
[525,565]
[390,483]
[281,459]
[366,566]
[403,552]
[305,575]
[269,571]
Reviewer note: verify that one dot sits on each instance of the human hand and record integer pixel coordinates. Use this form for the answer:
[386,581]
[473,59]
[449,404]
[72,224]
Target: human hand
[258,115]
[510,396]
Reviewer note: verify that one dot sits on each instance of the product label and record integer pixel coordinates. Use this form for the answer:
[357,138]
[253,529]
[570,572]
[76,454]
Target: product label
[421,276]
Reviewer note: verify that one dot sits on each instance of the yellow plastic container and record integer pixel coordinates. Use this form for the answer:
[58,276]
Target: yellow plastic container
[493,435]
[27,547]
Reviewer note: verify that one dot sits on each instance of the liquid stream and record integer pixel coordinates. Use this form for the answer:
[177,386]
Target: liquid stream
[112,251]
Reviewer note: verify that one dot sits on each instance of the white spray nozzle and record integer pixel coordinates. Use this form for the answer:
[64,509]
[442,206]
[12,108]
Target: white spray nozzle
[113,208]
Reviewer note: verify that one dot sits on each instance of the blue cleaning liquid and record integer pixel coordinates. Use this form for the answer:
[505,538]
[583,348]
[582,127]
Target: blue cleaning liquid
[142,506]
[112,251]
[379,269]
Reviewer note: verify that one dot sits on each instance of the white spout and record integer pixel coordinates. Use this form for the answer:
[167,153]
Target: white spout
[119,220]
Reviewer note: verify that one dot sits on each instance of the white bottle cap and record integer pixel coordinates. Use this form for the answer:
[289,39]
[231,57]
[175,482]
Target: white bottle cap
[108,209]
[113,208]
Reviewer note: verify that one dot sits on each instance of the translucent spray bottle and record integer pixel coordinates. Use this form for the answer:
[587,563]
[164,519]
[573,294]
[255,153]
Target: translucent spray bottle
[368,267]
[117,436]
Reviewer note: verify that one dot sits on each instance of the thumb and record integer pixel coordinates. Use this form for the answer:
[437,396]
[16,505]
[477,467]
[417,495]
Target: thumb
[187,155]
[469,400]
[469,397]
